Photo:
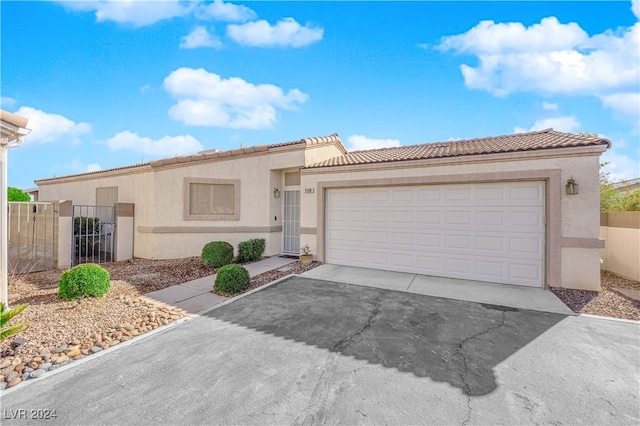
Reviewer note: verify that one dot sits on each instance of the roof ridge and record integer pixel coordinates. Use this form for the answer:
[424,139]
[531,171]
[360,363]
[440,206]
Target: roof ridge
[111,169]
[528,141]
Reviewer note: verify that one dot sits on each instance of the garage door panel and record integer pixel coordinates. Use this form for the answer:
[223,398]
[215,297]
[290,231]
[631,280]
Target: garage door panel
[456,266]
[459,217]
[378,216]
[490,245]
[402,216]
[400,195]
[403,238]
[488,231]
[429,217]
[490,270]
[490,218]
[492,194]
[429,240]
[528,246]
[428,194]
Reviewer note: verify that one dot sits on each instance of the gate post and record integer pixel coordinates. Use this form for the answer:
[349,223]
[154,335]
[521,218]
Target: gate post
[124,231]
[64,233]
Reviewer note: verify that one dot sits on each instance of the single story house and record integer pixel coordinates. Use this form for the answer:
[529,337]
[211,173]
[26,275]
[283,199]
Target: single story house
[503,209]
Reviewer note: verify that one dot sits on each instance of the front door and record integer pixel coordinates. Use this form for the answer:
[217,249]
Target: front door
[291,222]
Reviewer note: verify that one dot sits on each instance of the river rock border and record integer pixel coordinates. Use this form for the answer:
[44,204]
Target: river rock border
[15,370]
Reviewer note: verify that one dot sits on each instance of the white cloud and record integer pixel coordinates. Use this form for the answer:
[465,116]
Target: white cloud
[360,142]
[627,104]
[206,99]
[286,32]
[6,102]
[166,146]
[635,8]
[229,12]
[146,89]
[199,37]
[620,166]
[562,124]
[93,167]
[549,57]
[549,106]
[47,127]
[132,12]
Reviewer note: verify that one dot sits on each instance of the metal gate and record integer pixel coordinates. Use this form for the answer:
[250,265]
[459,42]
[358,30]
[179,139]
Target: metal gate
[94,230]
[291,222]
[31,233]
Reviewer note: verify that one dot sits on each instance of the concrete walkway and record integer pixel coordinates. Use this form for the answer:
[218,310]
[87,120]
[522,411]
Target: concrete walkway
[197,296]
[535,299]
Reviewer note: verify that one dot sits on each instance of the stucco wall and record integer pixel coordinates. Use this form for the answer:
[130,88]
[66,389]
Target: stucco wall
[572,221]
[621,255]
[161,228]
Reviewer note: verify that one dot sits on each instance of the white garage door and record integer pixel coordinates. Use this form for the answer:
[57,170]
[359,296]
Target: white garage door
[487,231]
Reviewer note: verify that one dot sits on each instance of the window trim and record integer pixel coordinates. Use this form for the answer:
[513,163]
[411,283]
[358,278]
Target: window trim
[211,181]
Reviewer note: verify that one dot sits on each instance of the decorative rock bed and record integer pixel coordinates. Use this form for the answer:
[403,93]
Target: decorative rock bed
[15,369]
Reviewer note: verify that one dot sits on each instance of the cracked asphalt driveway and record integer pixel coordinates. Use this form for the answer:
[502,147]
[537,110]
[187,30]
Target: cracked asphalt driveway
[304,351]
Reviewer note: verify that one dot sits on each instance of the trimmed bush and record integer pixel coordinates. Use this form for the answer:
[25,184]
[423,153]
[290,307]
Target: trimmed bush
[216,254]
[15,194]
[232,279]
[88,279]
[251,250]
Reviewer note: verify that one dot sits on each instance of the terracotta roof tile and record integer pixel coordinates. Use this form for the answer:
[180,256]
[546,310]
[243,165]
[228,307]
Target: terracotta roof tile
[543,139]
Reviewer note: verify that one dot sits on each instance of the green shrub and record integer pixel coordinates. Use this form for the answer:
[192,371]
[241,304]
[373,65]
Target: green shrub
[232,279]
[15,194]
[216,254]
[88,279]
[251,250]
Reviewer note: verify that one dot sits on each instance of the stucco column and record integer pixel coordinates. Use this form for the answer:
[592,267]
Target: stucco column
[124,231]
[64,233]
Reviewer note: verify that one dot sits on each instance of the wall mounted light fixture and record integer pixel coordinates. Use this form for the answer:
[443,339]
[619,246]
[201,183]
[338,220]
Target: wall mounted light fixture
[572,187]
[276,193]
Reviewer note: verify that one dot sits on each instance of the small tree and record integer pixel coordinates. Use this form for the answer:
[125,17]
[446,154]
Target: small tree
[15,194]
[614,200]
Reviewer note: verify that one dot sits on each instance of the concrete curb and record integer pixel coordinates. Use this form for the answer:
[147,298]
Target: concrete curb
[628,321]
[240,296]
[97,355]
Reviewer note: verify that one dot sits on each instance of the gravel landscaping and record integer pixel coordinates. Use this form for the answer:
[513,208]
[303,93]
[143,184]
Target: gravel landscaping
[607,302]
[64,331]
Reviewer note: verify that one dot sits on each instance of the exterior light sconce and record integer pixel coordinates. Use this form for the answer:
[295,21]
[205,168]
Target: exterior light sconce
[276,193]
[572,187]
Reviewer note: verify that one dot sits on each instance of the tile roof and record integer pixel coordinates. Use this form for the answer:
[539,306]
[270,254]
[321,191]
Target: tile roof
[207,155]
[95,172]
[211,154]
[543,139]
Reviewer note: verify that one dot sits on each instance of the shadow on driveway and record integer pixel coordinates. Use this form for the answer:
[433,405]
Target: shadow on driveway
[446,340]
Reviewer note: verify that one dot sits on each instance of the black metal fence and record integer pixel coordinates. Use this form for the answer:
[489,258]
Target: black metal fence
[94,231]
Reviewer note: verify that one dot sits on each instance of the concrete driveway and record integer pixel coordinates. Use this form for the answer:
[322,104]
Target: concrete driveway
[307,351]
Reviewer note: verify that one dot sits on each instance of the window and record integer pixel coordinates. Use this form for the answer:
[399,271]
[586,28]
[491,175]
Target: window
[292,179]
[211,199]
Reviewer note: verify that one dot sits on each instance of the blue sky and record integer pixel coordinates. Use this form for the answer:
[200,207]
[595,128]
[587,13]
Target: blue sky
[108,84]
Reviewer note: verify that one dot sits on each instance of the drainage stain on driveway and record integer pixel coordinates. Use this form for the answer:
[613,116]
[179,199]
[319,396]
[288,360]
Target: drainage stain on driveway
[446,340]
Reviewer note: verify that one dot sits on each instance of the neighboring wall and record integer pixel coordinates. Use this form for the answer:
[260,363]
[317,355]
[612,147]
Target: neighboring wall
[621,232]
[573,244]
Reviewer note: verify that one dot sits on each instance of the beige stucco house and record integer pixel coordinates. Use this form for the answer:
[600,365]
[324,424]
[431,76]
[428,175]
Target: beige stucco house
[494,209]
